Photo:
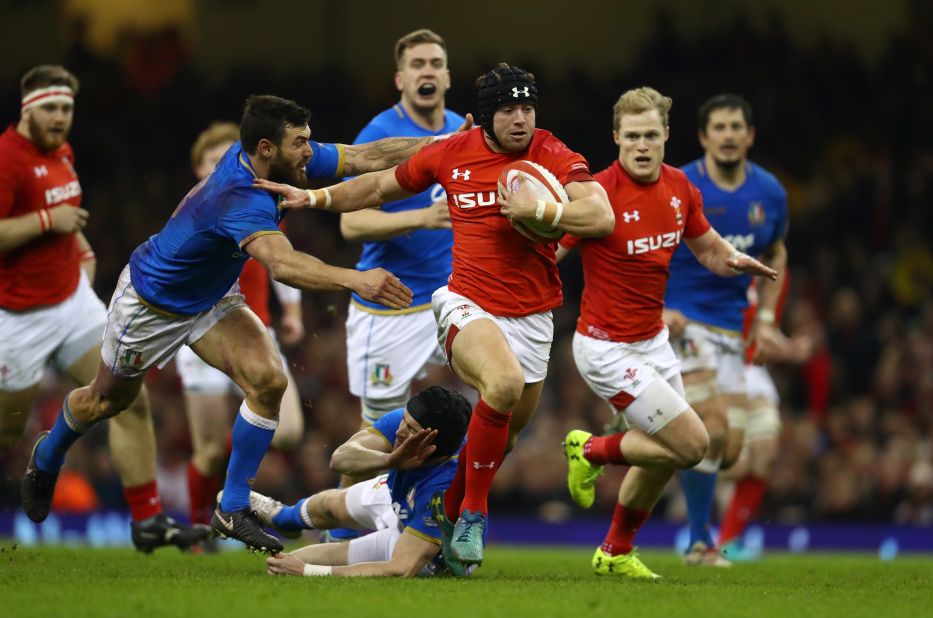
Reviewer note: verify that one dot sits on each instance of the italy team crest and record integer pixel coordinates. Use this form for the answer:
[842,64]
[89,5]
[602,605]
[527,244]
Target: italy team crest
[756,213]
[133,359]
[382,375]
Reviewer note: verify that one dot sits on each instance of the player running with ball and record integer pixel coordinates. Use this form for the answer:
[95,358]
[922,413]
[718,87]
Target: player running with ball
[494,316]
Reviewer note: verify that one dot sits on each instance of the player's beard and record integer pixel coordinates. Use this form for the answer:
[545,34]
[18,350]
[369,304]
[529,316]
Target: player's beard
[42,138]
[280,170]
[727,166]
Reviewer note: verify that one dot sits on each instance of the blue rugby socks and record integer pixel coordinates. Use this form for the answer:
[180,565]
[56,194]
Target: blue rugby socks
[50,454]
[252,435]
[699,488]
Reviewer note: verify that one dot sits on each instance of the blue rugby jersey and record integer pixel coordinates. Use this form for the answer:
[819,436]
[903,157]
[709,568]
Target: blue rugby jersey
[421,259]
[752,218]
[412,489]
[197,257]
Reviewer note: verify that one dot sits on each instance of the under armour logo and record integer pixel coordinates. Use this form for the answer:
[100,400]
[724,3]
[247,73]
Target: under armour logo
[630,216]
[465,174]
[651,417]
[478,466]
[516,92]
[40,171]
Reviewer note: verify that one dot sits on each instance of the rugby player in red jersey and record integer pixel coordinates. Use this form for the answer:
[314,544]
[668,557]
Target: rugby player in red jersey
[48,310]
[621,345]
[494,316]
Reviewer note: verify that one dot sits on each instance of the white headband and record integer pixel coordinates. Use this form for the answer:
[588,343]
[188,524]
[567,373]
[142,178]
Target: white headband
[52,94]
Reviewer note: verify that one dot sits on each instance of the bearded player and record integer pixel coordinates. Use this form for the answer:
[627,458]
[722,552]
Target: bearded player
[208,390]
[494,316]
[180,288]
[49,314]
[748,206]
[621,345]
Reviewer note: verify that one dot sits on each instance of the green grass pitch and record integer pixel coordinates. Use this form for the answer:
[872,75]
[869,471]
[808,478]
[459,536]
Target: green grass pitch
[539,582]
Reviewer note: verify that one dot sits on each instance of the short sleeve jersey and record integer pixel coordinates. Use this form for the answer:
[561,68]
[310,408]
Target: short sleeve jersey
[421,258]
[626,272]
[752,217]
[412,489]
[44,271]
[197,257]
[493,264]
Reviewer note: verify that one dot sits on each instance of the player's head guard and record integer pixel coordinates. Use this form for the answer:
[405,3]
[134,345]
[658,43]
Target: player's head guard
[504,85]
[445,410]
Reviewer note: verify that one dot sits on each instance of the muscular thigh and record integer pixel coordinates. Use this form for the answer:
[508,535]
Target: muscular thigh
[481,352]
[240,346]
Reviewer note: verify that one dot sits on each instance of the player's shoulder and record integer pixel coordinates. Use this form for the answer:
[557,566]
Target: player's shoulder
[694,171]
[385,120]
[674,174]
[767,181]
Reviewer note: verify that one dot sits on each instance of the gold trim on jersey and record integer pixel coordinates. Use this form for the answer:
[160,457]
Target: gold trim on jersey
[256,235]
[341,160]
[421,535]
[719,329]
[245,162]
[366,309]
[372,429]
[161,311]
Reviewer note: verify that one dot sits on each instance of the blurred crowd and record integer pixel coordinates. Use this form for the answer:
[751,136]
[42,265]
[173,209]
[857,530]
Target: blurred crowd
[850,141]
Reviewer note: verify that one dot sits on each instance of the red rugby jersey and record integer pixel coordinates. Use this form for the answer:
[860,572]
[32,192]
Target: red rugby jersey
[493,265]
[46,270]
[625,273]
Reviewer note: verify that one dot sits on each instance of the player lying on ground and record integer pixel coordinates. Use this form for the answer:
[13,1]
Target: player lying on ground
[418,444]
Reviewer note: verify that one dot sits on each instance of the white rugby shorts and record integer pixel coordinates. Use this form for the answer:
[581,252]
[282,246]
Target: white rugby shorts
[641,379]
[369,503]
[61,333]
[703,347]
[385,352]
[529,337]
[764,417]
[138,336]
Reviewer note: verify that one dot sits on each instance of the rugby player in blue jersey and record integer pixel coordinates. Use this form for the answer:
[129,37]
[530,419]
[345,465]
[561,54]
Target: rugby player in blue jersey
[418,445]
[180,288]
[748,206]
[387,349]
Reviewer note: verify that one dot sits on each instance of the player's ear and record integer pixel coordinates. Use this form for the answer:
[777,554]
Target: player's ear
[751,136]
[266,148]
[667,133]
[398,81]
[615,136]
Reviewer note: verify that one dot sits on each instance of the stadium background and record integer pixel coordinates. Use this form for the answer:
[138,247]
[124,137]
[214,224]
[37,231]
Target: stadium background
[842,93]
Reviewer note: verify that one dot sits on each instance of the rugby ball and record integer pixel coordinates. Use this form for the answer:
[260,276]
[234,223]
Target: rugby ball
[544,186]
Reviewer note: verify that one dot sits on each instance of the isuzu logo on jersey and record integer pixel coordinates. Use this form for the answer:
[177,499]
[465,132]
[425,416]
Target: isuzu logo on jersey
[653,243]
[62,193]
[471,200]
[465,174]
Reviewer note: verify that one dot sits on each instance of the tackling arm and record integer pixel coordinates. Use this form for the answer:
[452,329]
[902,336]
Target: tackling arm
[366,191]
[306,272]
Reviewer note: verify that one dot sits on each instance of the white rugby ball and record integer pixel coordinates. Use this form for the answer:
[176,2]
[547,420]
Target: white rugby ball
[544,186]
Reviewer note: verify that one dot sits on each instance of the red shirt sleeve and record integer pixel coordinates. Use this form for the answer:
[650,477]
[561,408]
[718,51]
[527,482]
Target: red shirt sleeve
[568,241]
[696,224]
[567,165]
[8,185]
[420,172]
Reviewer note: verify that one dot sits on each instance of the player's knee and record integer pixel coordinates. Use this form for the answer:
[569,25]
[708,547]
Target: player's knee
[693,449]
[287,435]
[504,391]
[267,383]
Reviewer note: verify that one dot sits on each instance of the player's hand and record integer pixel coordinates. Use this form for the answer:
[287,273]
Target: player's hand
[769,342]
[66,219]
[739,262]
[414,451]
[467,124]
[675,321]
[291,330]
[293,196]
[285,564]
[380,286]
[436,216]
[518,204]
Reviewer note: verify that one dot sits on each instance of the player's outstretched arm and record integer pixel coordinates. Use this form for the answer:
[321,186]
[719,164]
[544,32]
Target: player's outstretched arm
[369,225]
[587,215]
[410,555]
[720,257]
[367,452]
[387,152]
[306,272]
[366,191]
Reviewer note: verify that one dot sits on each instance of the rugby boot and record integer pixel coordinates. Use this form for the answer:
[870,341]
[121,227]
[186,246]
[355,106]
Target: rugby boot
[446,529]
[624,565]
[245,526]
[37,487]
[467,542]
[266,509]
[700,554]
[161,530]
[581,474]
